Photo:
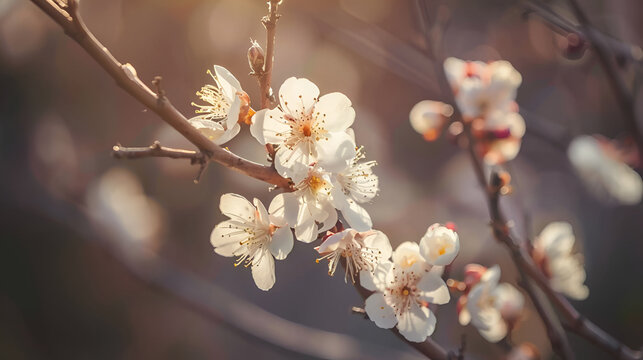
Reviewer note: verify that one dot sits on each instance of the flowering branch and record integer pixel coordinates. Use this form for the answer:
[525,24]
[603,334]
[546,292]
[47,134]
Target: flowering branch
[125,76]
[623,95]
[265,77]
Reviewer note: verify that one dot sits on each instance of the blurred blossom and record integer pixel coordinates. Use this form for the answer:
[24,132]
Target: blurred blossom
[491,307]
[117,202]
[23,31]
[553,253]
[602,166]
[54,159]
[524,351]
[429,117]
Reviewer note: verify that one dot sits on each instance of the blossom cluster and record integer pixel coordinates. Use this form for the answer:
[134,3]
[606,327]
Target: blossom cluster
[485,95]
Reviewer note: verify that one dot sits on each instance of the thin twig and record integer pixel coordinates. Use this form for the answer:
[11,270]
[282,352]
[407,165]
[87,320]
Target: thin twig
[156,150]
[621,91]
[564,27]
[265,78]
[125,76]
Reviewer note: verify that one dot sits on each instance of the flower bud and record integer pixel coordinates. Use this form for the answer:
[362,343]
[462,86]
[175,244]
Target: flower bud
[256,57]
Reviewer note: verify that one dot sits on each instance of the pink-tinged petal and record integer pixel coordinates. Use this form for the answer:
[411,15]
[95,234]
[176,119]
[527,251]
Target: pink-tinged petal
[334,242]
[263,271]
[416,324]
[281,243]
[379,311]
[276,128]
[433,289]
[298,96]
[336,112]
[236,207]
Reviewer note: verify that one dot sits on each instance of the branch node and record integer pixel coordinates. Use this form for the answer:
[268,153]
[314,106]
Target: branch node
[160,93]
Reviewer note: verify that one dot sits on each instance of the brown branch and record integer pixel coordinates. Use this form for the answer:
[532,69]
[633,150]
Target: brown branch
[156,150]
[564,27]
[125,76]
[621,91]
[270,23]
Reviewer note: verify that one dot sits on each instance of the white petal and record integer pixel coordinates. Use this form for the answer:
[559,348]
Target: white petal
[335,153]
[379,311]
[406,254]
[376,281]
[429,116]
[294,163]
[282,243]
[306,231]
[335,241]
[336,111]
[440,245]
[357,217]
[491,277]
[283,209]
[298,96]
[464,317]
[237,207]
[330,221]
[263,218]
[416,324]
[210,129]
[275,127]
[433,289]
[228,82]
[228,134]
[226,237]
[495,328]
[256,128]
[556,239]
[233,113]
[378,240]
[263,271]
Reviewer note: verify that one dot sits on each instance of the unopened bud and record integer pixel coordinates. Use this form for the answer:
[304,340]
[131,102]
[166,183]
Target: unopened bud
[256,57]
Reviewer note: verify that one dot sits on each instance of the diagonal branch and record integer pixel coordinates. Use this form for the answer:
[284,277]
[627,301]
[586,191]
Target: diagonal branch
[156,150]
[125,76]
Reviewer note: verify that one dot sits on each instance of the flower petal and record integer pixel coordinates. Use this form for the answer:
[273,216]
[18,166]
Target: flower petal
[378,240]
[356,216]
[433,289]
[335,153]
[298,96]
[236,207]
[275,126]
[440,245]
[233,114]
[262,216]
[263,271]
[336,110]
[228,134]
[282,243]
[381,313]
[226,237]
[256,127]
[282,208]
[294,163]
[376,281]
[416,324]
[228,82]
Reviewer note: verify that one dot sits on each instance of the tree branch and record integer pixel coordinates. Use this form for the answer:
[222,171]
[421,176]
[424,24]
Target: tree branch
[125,76]
[156,150]
[622,93]
[270,23]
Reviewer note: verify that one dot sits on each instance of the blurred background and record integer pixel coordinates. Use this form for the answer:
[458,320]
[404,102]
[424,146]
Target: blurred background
[67,293]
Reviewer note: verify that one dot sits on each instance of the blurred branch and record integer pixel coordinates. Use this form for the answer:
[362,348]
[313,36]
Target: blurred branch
[623,94]
[270,23]
[125,76]
[565,27]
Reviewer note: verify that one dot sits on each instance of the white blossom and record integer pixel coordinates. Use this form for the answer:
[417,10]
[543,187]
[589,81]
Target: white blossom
[553,252]
[491,307]
[481,89]
[218,120]
[309,205]
[602,169]
[362,251]
[254,236]
[499,136]
[429,117]
[403,290]
[307,128]
[354,185]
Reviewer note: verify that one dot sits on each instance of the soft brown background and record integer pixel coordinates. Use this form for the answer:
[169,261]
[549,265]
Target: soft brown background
[63,297]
